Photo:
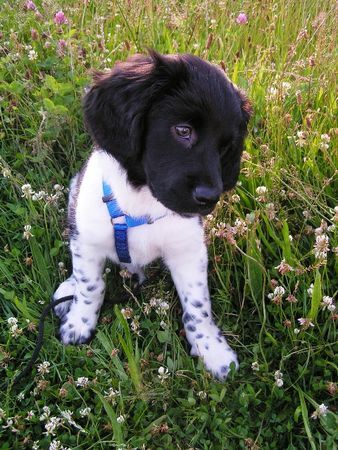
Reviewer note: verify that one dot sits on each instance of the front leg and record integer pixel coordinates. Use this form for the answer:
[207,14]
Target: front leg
[189,272]
[78,325]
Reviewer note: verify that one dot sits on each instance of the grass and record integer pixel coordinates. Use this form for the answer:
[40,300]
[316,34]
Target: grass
[284,57]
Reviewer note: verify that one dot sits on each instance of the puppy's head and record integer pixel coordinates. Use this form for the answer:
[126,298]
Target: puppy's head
[175,123]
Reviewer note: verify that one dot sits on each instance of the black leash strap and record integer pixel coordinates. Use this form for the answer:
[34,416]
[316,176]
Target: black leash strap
[39,341]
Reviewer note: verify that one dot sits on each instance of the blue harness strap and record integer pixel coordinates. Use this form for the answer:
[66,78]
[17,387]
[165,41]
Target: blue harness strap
[122,224]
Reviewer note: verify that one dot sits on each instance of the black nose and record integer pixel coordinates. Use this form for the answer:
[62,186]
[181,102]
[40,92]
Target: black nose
[206,195]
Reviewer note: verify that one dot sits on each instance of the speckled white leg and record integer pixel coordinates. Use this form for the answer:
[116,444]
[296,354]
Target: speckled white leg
[78,324]
[189,273]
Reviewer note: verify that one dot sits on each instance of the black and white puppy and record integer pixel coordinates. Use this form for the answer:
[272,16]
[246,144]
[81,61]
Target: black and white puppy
[168,134]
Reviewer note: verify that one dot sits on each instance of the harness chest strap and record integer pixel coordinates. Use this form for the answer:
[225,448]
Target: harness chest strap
[121,222]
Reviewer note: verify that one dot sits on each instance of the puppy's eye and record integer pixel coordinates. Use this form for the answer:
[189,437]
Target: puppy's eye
[183,131]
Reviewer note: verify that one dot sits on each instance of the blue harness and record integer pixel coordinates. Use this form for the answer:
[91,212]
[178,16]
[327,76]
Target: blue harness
[122,223]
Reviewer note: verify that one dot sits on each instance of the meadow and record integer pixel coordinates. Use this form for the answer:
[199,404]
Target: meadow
[272,240]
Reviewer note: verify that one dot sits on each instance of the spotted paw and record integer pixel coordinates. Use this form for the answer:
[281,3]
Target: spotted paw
[216,355]
[66,288]
[76,330]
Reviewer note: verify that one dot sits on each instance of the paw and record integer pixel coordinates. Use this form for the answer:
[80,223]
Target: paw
[77,329]
[216,354]
[66,288]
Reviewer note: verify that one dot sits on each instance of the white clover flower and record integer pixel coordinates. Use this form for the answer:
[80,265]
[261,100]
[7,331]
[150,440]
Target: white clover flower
[46,413]
[163,308]
[120,419]
[127,312]
[278,374]
[279,382]
[27,232]
[327,301]
[236,198]
[202,395]
[301,138]
[58,187]
[41,195]
[35,445]
[85,411]
[61,267]
[10,424]
[68,415]
[321,247]
[321,411]
[284,267]
[154,302]
[279,291]
[6,173]
[52,425]
[27,191]
[163,374]
[324,146]
[14,329]
[32,55]
[325,137]
[135,326]
[12,321]
[307,214]
[250,218]
[111,395]
[261,190]
[146,308]
[255,366]
[30,415]
[270,210]
[240,227]
[272,93]
[43,368]
[56,445]
[305,323]
[82,382]
[296,330]
[286,86]
[310,290]
[21,396]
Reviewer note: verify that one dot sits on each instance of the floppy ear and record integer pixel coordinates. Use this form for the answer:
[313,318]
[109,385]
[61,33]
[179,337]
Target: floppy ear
[116,105]
[231,162]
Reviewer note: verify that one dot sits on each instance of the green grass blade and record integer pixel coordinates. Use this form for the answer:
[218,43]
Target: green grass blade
[316,297]
[305,416]
[133,358]
[117,429]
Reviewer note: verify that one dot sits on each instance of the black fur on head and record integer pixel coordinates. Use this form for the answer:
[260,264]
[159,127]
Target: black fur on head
[175,123]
